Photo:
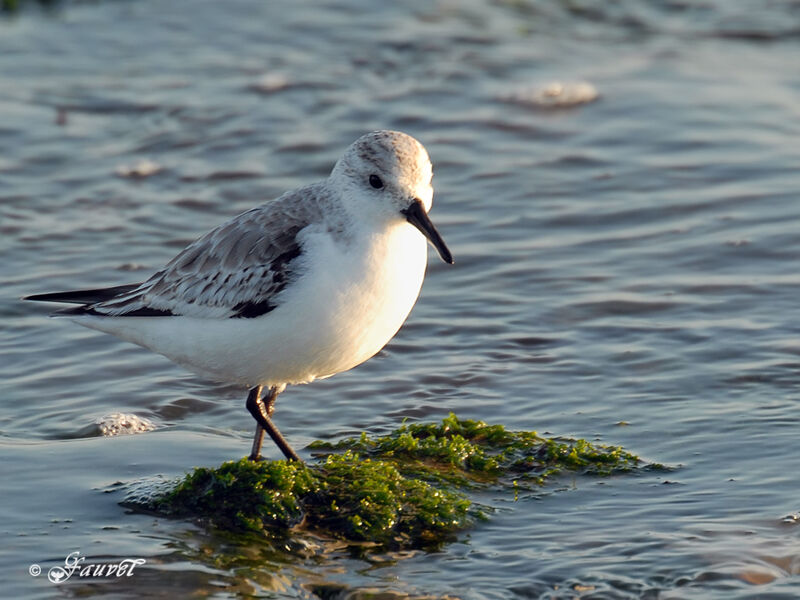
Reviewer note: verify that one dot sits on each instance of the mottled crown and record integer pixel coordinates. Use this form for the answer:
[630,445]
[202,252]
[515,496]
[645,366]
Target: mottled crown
[390,154]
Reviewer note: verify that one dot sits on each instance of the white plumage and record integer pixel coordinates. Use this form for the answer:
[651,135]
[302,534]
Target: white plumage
[302,287]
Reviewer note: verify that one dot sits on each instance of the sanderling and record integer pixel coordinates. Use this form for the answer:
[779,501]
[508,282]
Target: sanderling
[300,288]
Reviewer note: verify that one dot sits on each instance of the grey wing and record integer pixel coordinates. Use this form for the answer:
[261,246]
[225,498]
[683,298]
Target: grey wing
[235,270]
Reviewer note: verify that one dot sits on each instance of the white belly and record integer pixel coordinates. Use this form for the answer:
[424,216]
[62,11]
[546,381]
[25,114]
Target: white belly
[338,314]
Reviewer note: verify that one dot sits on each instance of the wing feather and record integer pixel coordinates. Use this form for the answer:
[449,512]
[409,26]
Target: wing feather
[235,270]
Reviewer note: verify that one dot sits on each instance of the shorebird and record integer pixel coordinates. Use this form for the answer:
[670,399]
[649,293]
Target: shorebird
[300,288]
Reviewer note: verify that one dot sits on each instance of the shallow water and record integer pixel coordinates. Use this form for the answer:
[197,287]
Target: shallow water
[626,271]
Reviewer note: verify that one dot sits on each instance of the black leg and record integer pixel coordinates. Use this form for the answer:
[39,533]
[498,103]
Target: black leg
[261,414]
[252,401]
[258,438]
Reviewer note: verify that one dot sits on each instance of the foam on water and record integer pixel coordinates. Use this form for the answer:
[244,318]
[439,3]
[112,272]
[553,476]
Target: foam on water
[556,94]
[123,424]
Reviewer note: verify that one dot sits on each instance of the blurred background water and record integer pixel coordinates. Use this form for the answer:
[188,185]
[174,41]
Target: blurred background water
[626,271]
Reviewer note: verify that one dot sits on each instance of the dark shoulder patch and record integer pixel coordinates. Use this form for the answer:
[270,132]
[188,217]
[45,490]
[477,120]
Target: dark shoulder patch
[280,270]
[250,310]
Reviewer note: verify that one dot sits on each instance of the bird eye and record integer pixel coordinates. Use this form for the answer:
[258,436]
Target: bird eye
[375,182]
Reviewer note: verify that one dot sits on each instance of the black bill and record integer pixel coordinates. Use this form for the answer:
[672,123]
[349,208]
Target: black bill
[416,215]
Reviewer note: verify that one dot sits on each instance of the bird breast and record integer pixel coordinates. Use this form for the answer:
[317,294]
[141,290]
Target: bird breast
[359,298]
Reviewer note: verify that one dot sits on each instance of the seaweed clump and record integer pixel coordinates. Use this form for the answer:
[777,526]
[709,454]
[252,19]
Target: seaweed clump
[406,489]
[464,451]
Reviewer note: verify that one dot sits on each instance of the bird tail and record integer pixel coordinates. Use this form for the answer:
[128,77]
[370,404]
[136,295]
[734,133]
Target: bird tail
[83,297]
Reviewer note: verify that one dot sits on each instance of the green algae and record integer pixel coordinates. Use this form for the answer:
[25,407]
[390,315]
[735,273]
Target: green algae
[346,496]
[468,450]
[406,489]
[243,495]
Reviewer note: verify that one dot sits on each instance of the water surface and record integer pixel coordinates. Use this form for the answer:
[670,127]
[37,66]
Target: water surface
[626,271]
